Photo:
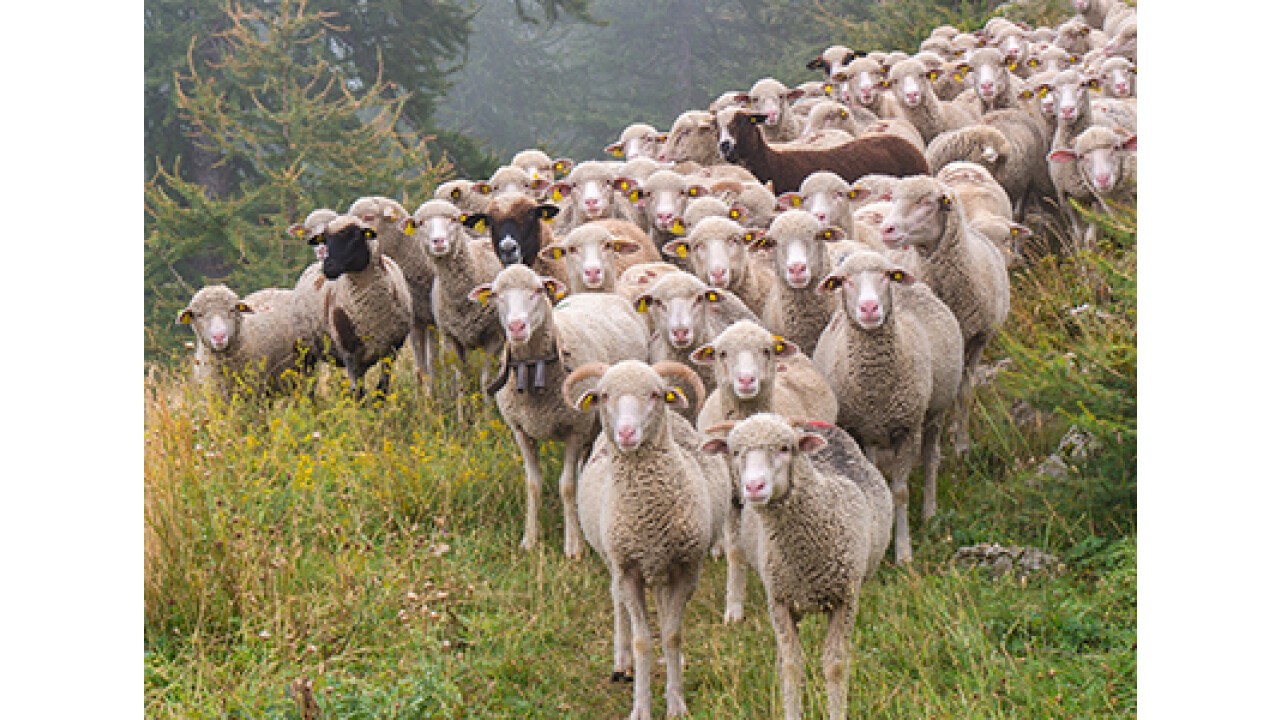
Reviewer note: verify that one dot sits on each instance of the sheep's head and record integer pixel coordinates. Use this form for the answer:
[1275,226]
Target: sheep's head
[348,246]
[665,195]
[515,226]
[590,255]
[381,213]
[797,240]
[770,98]
[637,140]
[214,316]
[745,358]
[589,189]
[676,308]
[823,194]
[921,209]
[523,300]
[437,225]
[632,398]
[1098,154]
[763,450]
[910,81]
[738,128]
[864,282]
[718,248]
[991,76]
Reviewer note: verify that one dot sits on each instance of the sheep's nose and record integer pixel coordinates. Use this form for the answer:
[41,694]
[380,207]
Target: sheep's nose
[821,216]
[798,268]
[868,307]
[592,202]
[725,146]
[517,326]
[626,433]
[888,230]
[592,274]
[680,333]
[754,487]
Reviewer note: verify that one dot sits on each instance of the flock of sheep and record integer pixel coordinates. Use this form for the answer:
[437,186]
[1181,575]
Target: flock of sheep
[830,261]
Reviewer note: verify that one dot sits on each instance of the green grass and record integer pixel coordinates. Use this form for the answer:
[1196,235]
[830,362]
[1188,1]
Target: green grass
[373,548]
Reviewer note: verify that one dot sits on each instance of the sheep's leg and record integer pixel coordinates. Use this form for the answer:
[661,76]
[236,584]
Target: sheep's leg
[736,558]
[964,401]
[423,353]
[623,662]
[532,487]
[905,452]
[931,458]
[632,588]
[790,658]
[835,656]
[569,496]
[670,617]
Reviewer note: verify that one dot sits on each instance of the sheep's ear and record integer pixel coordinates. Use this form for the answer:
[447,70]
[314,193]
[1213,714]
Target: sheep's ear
[899,275]
[408,226]
[814,64]
[696,191]
[829,88]
[675,396]
[961,71]
[551,252]
[643,303]
[788,200]
[1042,90]
[455,194]
[795,94]
[1130,143]
[476,221]
[1025,94]
[186,316]
[481,294]
[1018,230]
[712,296]
[622,246]
[715,446]
[1062,155]
[298,230]
[615,149]
[676,248]
[783,347]
[546,212]
[945,201]
[369,233]
[623,184]
[742,98]
[555,289]
[830,283]
[1010,61]
[242,307]
[704,355]
[831,234]
[856,192]
[559,190]
[737,211]
[1092,84]
[678,227]
[562,166]
[761,241]
[587,400]
[932,74]
[483,188]
[810,442]
[757,118]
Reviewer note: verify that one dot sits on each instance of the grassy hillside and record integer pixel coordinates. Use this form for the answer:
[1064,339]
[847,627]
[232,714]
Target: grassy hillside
[369,549]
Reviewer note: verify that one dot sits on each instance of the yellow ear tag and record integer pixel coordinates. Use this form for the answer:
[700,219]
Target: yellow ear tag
[855,193]
[932,74]
[713,296]
[827,88]
[617,152]
[669,396]
[623,185]
[734,214]
[586,402]
[368,234]
[827,234]
[1013,64]
[682,251]
[410,225]
[779,348]
[455,193]
[896,275]
[482,297]
[693,192]
[300,232]
[796,201]
[557,253]
[556,195]
[958,76]
[642,304]
[1013,231]
[480,226]
[677,227]
[1033,62]
[558,167]
[634,196]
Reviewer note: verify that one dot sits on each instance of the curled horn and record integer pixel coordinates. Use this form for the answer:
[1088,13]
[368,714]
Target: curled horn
[677,371]
[592,370]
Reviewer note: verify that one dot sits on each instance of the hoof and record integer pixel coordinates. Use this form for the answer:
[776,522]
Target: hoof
[733,614]
[619,676]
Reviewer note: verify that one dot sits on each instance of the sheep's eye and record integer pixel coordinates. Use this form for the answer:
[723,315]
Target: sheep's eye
[573,251]
[722,354]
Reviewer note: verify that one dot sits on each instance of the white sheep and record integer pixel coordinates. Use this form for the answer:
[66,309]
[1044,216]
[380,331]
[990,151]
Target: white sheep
[459,263]
[817,522]
[893,354]
[650,505]
[254,343]
[636,140]
[931,116]
[797,241]
[1105,165]
[468,196]
[543,344]
[588,194]
[773,99]
[757,371]
[718,251]
[965,270]
[595,253]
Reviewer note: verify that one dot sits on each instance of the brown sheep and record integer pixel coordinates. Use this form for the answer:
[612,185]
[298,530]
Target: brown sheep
[742,141]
